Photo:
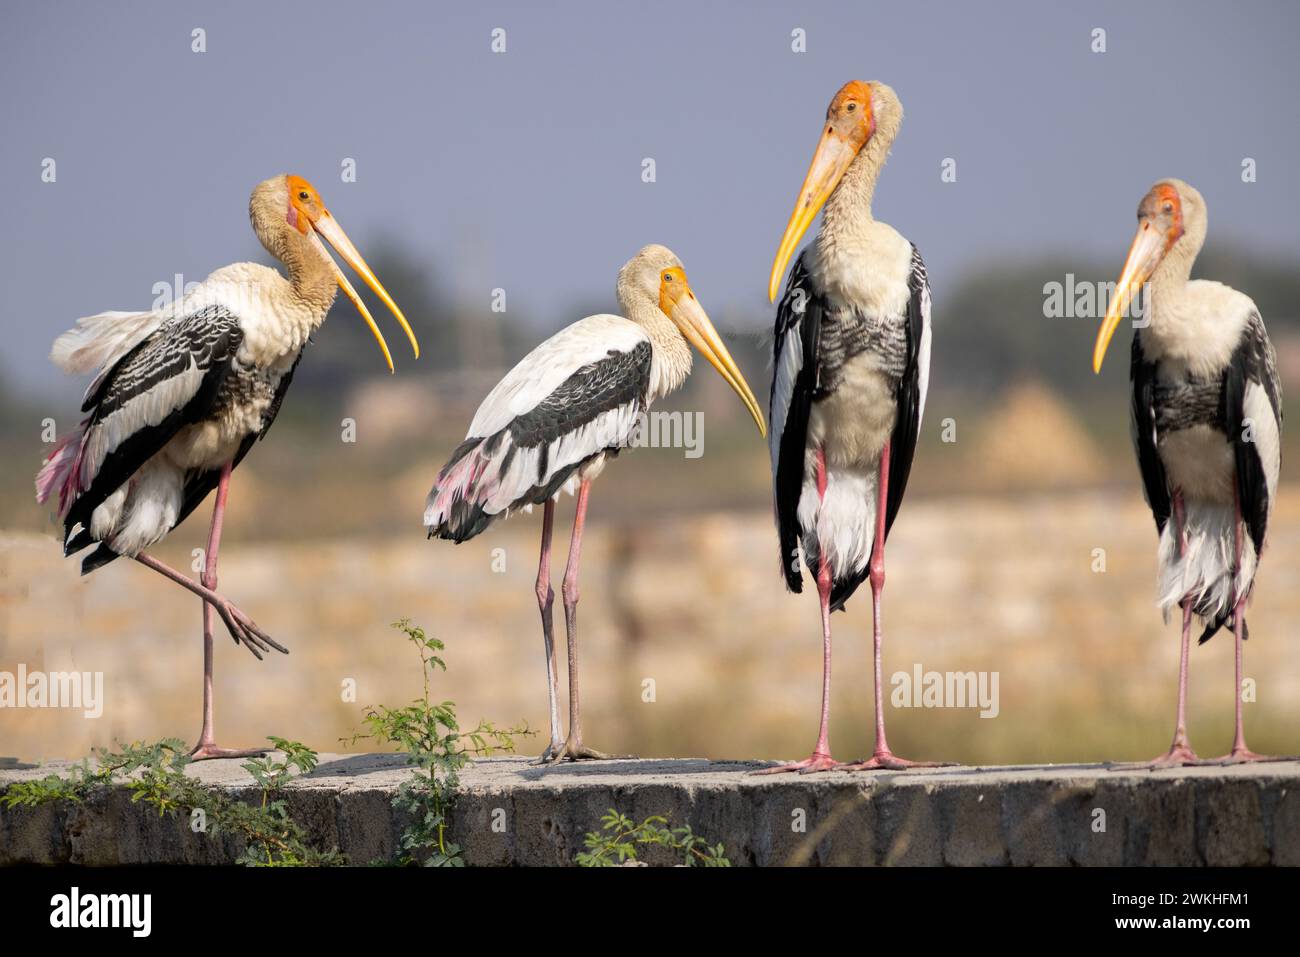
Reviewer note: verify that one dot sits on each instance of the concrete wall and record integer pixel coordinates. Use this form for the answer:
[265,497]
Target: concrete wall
[1050,815]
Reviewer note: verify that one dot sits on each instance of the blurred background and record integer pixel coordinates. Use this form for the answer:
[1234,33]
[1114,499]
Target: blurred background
[522,171]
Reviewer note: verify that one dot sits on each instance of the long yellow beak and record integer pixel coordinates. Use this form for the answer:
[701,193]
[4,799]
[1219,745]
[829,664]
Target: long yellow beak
[328,227]
[681,306]
[834,155]
[1143,257]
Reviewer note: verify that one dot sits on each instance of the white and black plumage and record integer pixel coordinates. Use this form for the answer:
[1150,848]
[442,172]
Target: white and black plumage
[1206,418]
[180,394]
[556,418]
[851,358]
[156,398]
[571,402]
[817,353]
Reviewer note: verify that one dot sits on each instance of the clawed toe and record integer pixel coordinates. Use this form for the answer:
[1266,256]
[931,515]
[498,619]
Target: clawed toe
[818,761]
[210,752]
[550,755]
[888,761]
[1243,756]
[246,632]
[1179,756]
[576,751]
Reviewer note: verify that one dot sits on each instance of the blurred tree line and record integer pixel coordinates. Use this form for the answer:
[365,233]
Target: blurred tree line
[991,330]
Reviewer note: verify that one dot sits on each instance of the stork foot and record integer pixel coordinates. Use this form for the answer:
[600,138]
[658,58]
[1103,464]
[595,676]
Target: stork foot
[210,752]
[818,761]
[1178,756]
[575,750]
[888,761]
[550,754]
[245,631]
[1243,756]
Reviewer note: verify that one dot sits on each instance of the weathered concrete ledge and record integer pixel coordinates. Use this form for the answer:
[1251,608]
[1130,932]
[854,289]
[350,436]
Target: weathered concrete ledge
[512,813]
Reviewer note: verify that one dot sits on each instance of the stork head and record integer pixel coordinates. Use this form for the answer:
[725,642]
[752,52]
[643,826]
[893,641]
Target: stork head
[290,218]
[1171,218]
[859,112]
[654,278]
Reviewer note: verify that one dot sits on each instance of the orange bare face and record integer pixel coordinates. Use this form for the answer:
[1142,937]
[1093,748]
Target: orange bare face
[672,287]
[1160,225]
[306,213]
[1163,208]
[677,301]
[305,205]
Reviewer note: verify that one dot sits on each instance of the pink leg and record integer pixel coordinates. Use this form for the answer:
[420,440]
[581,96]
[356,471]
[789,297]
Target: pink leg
[545,602]
[207,746]
[1180,751]
[573,747]
[883,758]
[1240,754]
[821,757]
[242,628]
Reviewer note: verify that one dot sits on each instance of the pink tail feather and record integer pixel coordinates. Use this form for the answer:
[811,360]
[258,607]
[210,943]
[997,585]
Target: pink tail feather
[454,508]
[62,469]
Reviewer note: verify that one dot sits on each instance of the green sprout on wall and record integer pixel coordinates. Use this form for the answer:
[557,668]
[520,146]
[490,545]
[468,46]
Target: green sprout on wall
[154,775]
[620,838]
[428,733]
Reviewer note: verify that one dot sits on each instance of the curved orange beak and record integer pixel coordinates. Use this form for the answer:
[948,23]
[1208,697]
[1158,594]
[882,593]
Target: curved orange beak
[327,226]
[1143,256]
[678,302]
[835,153]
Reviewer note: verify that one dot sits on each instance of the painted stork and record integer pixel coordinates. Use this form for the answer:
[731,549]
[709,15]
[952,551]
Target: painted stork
[851,358]
[1206,421]
[555,420]
[180,395]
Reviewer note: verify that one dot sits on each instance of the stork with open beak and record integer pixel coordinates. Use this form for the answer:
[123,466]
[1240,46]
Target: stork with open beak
[852,356]
[1206,418]
[180,394]
[555,420]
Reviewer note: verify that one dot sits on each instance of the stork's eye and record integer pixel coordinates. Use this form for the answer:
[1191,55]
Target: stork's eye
[304,195]
[851,107]
[668,277]
[1169,207]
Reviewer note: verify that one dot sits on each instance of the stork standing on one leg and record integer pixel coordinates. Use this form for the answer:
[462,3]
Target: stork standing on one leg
[181,394]
[1207,423]
[852,358]
[551,424]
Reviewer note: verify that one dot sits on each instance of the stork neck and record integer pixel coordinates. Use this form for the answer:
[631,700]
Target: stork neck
[1170,278]
[671,362]
[849,207]
[311,277]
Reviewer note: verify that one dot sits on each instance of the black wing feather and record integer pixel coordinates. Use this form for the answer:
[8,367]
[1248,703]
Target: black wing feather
[800,313]
[199,484]
[206,340]
[619,379]
[1155,484]
[1252,361]
[907,425]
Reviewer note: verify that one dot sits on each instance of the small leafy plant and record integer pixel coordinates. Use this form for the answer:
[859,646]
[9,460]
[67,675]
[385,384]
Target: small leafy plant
[619,838]
[155,775]
[429,733]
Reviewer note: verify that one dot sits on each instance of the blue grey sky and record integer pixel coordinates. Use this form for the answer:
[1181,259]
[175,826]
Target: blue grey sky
[523,170]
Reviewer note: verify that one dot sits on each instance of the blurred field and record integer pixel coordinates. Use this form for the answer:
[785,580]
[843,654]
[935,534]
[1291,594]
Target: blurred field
[1087,670]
